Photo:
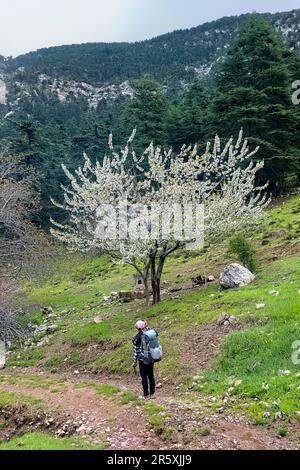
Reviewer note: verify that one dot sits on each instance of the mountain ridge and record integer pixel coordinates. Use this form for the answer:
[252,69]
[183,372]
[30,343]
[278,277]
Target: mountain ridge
[175,59]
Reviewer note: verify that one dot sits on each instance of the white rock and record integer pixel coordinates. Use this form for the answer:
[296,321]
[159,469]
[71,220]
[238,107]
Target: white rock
[235,275]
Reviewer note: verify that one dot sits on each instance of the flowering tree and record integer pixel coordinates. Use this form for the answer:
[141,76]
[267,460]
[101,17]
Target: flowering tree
[170,201]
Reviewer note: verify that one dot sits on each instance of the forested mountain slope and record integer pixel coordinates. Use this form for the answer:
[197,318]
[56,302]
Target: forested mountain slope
[176,58]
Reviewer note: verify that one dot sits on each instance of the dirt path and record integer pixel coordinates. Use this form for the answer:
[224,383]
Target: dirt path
[129,426]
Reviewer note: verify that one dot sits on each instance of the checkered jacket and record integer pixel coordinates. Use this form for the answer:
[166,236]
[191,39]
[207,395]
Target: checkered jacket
[137,348]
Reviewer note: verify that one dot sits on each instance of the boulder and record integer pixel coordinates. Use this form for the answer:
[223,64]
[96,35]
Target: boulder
[235,275]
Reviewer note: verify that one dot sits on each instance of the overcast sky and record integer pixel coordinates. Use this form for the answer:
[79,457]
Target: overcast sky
[27,25]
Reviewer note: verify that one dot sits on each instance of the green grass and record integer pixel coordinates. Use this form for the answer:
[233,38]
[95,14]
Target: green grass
[204,431]
[9,399]
[253,356]
[43,441]
[123,397]
[34,381]
[156,417]
[250,356]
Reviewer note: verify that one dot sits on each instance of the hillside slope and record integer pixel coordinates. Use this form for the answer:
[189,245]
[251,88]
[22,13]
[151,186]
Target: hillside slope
[99,72]
[217,382]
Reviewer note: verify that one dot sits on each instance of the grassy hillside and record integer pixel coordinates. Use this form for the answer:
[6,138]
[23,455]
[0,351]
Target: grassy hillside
[248,363]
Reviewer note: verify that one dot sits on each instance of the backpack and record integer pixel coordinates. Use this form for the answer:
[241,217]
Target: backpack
[151,350]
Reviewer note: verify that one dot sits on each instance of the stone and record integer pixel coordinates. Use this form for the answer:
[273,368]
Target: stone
[226,319]
[235,275]
[97,319]
[52,328]
[47,310]
[43,342]
[279,415]
[284,372]
[260,306]
[82,429]
[125,296]
[64,312]
[273,292]
[40,330]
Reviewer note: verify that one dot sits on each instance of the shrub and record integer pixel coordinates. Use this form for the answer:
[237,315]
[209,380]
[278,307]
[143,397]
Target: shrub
[240,247]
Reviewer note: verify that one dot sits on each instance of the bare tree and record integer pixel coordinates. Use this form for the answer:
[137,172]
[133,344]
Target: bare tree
[20,241]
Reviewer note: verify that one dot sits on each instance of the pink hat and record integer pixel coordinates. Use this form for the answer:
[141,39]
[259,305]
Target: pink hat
[140,325]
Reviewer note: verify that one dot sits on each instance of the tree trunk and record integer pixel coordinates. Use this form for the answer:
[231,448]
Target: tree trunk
[155,290]
[146,290]
[155,278]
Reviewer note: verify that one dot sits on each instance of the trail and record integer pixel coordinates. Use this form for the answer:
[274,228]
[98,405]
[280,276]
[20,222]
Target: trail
[127,426]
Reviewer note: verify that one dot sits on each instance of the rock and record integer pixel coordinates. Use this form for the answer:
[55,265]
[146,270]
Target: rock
[97,319]
[126,296]
[76,372]
[260,306]
[48,422]
[235,275]
[284,372]
[43,342]
[64,312]
[39,330]
[226,319]
[47,310]
[82,429]
[52,328]
[273,292]
[159,385]
[211,278]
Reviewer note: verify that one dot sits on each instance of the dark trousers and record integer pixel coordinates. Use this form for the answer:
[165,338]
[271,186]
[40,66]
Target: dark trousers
[147,374]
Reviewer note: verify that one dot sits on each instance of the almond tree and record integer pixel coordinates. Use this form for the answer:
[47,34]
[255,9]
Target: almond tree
[220,180]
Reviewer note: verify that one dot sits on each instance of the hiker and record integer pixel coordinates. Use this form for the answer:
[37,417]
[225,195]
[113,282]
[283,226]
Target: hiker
[146,351]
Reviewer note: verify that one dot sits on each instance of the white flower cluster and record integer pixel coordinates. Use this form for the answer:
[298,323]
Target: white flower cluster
[222,180]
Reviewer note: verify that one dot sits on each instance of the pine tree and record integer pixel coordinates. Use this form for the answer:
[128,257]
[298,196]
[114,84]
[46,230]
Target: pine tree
[146,113]
[187,121]
[254,92]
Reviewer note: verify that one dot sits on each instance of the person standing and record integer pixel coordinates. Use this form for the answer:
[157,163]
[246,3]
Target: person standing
[146,363]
